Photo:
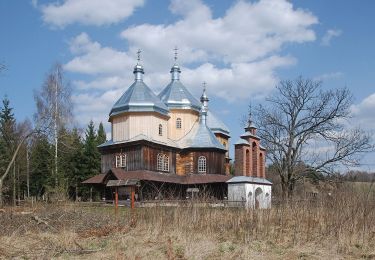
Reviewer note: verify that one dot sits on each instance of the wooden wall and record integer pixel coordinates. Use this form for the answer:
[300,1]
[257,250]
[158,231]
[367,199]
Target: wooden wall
[188,118]
[150,155]
[129,125]
[224,140]
[139,157]
[187,162]
[133,161]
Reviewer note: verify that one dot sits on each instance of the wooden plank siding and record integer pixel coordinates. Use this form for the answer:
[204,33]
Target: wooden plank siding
[150,155]
[187,162]
[143,156]
[140,156]
[134,159]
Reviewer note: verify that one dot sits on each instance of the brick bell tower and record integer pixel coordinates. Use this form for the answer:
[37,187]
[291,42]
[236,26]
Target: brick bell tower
[249,155]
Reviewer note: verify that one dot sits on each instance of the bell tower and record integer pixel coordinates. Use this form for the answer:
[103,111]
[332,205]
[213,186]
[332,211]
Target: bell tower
[249,154]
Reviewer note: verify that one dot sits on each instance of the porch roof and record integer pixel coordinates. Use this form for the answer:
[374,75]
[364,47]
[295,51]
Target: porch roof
[120,174]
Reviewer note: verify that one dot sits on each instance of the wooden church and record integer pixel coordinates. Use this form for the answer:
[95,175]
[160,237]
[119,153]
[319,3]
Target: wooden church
[172,143]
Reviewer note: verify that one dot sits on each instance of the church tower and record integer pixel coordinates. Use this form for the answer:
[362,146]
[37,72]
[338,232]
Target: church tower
[249,154]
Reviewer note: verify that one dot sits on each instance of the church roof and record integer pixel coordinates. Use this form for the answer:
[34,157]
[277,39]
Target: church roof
[139,98]
[249,134]
[248,179]
[175,94]
[216,125]
[242,141]
[200,136]
[140,137]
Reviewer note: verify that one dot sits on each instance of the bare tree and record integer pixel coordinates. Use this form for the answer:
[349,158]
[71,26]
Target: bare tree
[3,175]
[303,124]
[54,108]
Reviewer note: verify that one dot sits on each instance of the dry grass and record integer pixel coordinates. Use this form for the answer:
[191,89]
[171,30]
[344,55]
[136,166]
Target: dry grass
[329,229]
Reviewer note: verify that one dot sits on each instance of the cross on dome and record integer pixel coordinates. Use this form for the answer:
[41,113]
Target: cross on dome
[175,54]
[139,55]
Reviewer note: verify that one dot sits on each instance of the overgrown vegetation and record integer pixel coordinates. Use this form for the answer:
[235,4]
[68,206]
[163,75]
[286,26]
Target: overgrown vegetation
[336,227]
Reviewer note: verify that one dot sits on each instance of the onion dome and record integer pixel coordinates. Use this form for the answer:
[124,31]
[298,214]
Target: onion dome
[201,136]
[175,94]
[139,97]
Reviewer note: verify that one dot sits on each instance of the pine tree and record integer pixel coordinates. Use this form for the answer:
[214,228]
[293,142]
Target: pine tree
[76,165]
[7,141]
[91,153]
[41,162]
[102,137]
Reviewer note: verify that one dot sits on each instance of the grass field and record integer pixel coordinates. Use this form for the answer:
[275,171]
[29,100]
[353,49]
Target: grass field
[341,228]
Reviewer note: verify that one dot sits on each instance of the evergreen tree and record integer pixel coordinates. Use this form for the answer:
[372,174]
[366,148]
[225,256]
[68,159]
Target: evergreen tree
[7,124]
[91,152]
[41,162]
[7,140]
[76,165]
[91,160]
[102,137]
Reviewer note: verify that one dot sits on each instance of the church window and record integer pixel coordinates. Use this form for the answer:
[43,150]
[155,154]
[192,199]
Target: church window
[160,130]
[162,162]
[178,123]
[166,163]
[202,164]
[121,160]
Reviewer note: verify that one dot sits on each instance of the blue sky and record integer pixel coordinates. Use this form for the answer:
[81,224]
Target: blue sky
[240,48]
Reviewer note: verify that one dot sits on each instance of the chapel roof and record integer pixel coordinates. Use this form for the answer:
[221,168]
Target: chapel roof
[139,98]
[216,125]
[175,94]
[201,136]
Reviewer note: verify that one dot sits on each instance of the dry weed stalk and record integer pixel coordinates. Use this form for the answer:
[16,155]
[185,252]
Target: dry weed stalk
[345,222]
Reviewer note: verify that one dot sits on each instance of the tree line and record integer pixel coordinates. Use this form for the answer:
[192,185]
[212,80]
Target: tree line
[51,155]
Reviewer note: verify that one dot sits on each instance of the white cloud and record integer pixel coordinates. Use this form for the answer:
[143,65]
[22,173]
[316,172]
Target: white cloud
[247,31]
[94,59]
[329,76]
[239,81]
[237,54]
[363,113]
[329,35]
[88,12]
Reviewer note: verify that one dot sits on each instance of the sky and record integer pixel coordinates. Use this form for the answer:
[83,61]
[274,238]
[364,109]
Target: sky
[240,48]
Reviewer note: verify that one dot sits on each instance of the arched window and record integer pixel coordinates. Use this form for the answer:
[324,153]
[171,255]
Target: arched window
[162,162]
[178,123]
[202,164]
[247,164]
[160,130]
[254,154]
[120,160]
[261,166]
